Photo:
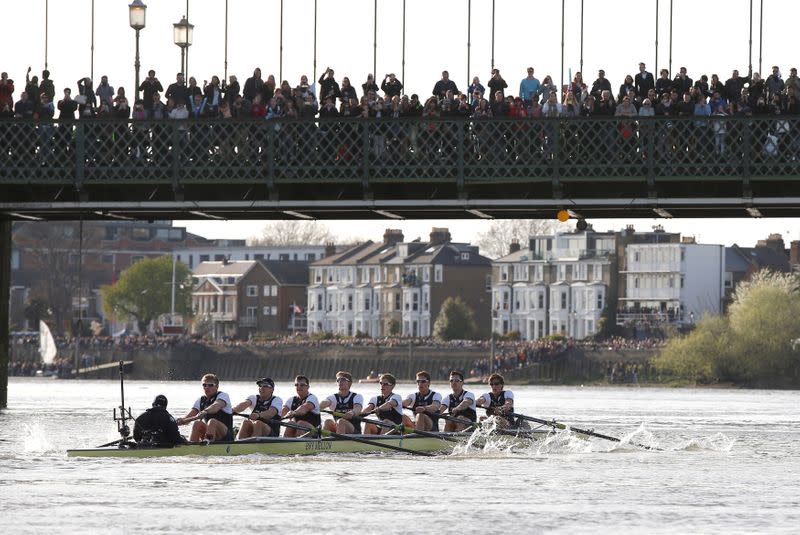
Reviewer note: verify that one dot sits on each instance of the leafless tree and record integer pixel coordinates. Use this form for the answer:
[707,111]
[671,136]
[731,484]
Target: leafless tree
[294,232]
[495,242]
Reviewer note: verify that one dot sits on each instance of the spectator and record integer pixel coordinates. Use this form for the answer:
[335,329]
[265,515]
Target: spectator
[6,91]
[180,111]
[546,88]
[47,87]
[104,92]
[253,86]
[33,90]
[192,91]
[499,105]
[601,84]
[444,85]
[643,81]
[475,91]
[758,88]
[716,85]
[369,85]
[663,84]
[212,95]
[347,92]
[626,87]
[149,87]
[734,85]
[121,108]
[529,88]
[578,88]
[391,86]
[647,109]
[682,82]
[792,82]
[605,106]
[158,110]
[328,86]
[626,108]
[231,90]
[67,107]
[496,83]
[23,109]
[552,108]
[177,91]
[86,93]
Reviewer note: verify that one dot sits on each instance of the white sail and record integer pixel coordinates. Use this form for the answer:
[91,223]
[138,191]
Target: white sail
[47,346]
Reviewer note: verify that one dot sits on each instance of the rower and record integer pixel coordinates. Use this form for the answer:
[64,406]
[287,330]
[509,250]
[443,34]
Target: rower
[460,404]
[346,402]
[211,413]
[425,403]
[388,406]
[156,427]
[498,402]
[264,408]
[303,408]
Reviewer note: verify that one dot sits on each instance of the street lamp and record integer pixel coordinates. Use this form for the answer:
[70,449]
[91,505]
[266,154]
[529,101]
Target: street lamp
[182,36]
[136,17]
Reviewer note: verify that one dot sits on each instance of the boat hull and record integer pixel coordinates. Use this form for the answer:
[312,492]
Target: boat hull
[289,446]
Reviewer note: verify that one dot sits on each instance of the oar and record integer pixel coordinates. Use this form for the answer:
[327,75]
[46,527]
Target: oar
[398,427]
[587,432]
[324,432]
[450,418]
[111,443]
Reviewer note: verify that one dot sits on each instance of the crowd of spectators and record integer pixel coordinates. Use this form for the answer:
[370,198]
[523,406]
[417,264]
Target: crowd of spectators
[638,95]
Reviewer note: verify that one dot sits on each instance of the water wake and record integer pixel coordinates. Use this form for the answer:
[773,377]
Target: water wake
[716,442]
[36,440]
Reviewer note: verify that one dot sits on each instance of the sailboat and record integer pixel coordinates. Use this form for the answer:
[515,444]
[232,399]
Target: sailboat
[47,346]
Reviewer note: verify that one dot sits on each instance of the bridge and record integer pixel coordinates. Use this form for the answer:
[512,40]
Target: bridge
[401,168]
[393,168]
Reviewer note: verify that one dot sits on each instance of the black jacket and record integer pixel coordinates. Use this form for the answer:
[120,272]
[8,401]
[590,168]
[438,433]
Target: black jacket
[643,82]
[157,426]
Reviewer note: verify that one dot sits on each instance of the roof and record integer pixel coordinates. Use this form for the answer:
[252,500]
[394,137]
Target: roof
[287,273]
[760,258]
[236,268]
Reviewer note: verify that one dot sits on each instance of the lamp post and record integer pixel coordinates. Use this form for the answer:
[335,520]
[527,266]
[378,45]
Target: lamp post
[182,36]
[136,17]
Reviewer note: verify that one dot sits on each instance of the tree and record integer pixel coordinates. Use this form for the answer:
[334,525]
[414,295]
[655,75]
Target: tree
[495,242]
[144,291]
[294,232]
[53,248]
[752,344]
[456,320]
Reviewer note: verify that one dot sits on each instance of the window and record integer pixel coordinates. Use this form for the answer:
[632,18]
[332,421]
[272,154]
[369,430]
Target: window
[563,300]
[219,257]
[140,234]
[397,305]
[274,290]
[349,302]
[488,283]
[520,272]
[319,302]
[415,301]
[682,281]
[317,275]
[252,291]
[266,310]
[503,273]
[425,302]
[230,280]
[258,256]
[266,290]
[108,259]
[366,303]
[636,256]
[283,257]
[437,273]
[426,275]
[562,272]
[599,300]
[683,255]
[636,282]
[274,310]
[175,234]
[465,255]
[162,233]
[15,259]
[728,279]
[252,312]
[204,257]
[540,303]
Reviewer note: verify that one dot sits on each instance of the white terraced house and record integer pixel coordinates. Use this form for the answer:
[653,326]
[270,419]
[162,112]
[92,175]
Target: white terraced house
[395,288]
[673,282]
[559,284]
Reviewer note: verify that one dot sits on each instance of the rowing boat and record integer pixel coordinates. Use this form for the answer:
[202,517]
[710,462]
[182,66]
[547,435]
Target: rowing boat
[298,446]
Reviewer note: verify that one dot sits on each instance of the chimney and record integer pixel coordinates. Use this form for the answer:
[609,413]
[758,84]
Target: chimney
[392,236]
[514,247]
[774,242]
[440,235]
[794,253]
[330,249]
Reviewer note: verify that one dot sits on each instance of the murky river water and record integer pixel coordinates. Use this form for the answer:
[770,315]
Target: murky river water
[731,462]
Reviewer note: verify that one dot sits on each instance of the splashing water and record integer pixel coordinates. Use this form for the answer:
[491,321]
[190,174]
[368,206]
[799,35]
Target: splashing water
[36,439]
[716,442]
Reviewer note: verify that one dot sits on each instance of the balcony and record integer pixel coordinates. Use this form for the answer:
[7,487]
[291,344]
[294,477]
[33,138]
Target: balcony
[220,316]
[248,321]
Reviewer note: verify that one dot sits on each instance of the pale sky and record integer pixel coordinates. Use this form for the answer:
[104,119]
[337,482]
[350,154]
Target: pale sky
[708,37]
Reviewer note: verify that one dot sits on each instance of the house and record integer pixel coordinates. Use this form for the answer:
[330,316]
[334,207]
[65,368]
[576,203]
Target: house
[741,263]
[559,284]
[247,297]
[675,282]
[395,287]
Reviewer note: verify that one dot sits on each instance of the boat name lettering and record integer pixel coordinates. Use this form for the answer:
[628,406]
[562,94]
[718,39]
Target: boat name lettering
[316,446]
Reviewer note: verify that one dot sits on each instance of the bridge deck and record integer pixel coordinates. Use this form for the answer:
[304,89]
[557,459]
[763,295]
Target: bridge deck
[401,168]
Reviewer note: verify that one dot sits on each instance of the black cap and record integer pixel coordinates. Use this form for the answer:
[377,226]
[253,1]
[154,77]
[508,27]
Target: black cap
[266,381]
[160,401]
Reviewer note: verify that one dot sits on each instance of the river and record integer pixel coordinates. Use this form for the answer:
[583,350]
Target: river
[730,462]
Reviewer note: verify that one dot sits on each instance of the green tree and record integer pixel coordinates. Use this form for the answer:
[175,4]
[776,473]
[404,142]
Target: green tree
[456,320]
[144,291]
[752,344]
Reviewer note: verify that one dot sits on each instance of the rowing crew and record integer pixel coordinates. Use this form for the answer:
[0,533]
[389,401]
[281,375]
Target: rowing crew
[212,413]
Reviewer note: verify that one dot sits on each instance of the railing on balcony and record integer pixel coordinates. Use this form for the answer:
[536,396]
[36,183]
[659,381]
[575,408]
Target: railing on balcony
[624,318]
[399,150]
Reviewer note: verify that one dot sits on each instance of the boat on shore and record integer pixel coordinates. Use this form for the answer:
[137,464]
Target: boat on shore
[442,443]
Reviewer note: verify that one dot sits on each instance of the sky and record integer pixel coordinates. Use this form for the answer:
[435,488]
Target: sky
[707,37]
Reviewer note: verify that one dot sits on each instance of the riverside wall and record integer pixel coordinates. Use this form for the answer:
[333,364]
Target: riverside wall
[282,363]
